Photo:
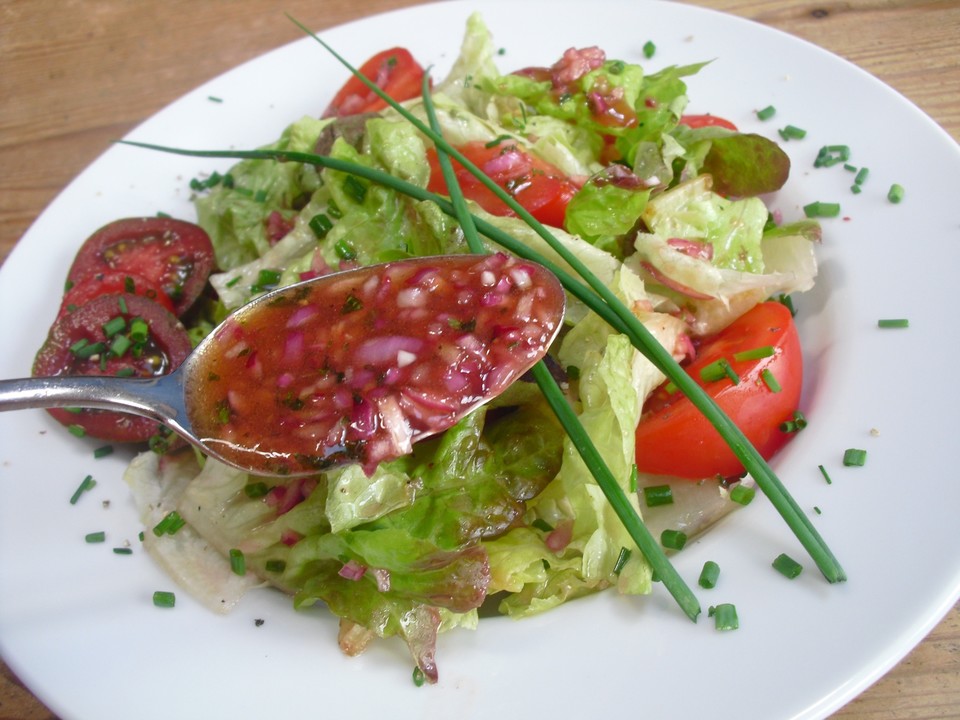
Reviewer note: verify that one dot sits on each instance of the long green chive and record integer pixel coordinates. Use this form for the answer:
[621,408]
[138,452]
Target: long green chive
[602,300]
[787,566]
[742,494]
[896,193]
[766,113]
[164,599]
[561,408]
[709,575]
[238,563]
[656,495]
[770,380]
[893,323]
[673,539]
[95,537]
[854,457]
[87,484]
[725,616]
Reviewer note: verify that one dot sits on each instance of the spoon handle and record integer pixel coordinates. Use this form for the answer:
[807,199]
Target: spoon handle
[160,398]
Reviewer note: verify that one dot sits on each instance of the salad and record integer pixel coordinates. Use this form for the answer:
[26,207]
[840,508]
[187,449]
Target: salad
[499,513]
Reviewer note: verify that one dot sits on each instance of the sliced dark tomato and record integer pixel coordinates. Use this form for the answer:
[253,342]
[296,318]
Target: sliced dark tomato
[121,334]
[174,255]
[112,283]
[674,438]
[699,121]
[542,189]
[394,71]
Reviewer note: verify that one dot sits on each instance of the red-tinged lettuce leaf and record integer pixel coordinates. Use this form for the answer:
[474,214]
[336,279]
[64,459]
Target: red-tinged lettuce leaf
[746,165]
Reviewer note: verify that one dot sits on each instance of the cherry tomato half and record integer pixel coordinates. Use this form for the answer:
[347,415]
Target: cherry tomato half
[394,71]
[699,121]
[173,255]
[112,283]
[542,189]
[103,337]
[674,438]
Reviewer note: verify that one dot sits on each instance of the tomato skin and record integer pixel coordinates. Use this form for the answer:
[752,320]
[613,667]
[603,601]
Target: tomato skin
[542,189]
[169,345]
[112,283]
[674,438]
[394,71]
[173,255]
[699,121]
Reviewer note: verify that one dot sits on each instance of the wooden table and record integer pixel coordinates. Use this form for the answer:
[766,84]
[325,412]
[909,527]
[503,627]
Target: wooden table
[75,76]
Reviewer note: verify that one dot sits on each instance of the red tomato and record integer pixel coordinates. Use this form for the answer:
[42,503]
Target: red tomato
[543,190]
[699,121]
[72,348]
[174,255]
[394,71]
[674,438]
[111,283]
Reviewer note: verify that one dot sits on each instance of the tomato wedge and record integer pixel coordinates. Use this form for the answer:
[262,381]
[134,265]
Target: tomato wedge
[106,337]
[112,283]
[173,255]
[674,438]
[699,121]
[394,71]
[542,189]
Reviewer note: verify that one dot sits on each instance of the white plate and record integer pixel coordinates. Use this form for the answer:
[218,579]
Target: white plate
[77,623]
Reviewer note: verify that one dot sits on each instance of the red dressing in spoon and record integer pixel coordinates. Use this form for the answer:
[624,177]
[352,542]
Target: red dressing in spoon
[359,366]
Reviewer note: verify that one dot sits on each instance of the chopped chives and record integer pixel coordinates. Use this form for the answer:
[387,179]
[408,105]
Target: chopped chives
[355,188]
[709,575]
[122,551]
[649,48]
[164,599]
[169,525]
[122,304]
[821,209]
[787,566]
[77,430]
[234,280]
[321,225]
[103,451]
[621,560]
[656,495]
[797,423]
[766,113]
[770,381]
[125,372]
[114,325]
[88,350]
[895,194]
[861,176]
[345,251]
[541,525]
[893,323]
[88,483]
[120,345]
[418,677]
[826,476]
[256,490]
[787,302]
[817,510]
[139,330]
[717,370]
[275,566]
[95,537]
[791,132]
[238,563]
[854,457]
[755,353]
[724,616]
[214,98]
[830,155]
[673,539]
[848,166]
[634,473]
[742,494]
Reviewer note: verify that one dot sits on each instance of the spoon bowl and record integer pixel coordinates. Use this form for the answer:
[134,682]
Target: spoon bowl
[350,367]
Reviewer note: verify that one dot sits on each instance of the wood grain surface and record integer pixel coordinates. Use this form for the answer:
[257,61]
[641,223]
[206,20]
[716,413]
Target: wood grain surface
[77,74]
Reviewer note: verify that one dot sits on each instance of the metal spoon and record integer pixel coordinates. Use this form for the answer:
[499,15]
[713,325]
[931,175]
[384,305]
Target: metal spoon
[471,324]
